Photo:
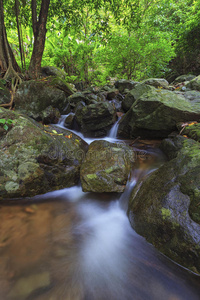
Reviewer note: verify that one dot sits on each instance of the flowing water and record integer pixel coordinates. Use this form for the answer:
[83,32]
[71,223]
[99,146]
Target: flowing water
[70,245]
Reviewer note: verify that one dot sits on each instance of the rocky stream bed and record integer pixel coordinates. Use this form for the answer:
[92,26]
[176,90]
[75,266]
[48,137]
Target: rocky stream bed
[72,242]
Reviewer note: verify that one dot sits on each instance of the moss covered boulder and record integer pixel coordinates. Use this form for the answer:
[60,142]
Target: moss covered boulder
[96,119]
[166,208]
[155,114]
[194,84]
[192,131]
[53,71]
[34,96]
[123,84]
[157,82]
[106,167]
[183,78]
[37,159]
[76,98]
[135,94]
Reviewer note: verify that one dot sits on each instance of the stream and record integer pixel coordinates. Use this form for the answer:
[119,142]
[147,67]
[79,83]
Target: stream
[71,245]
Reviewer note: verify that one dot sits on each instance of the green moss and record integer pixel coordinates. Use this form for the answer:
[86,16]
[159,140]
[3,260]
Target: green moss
[166,213]
[11,186]
[92,176]
[111,169]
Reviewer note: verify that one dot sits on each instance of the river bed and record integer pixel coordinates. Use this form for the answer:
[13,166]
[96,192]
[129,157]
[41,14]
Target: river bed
[70,245]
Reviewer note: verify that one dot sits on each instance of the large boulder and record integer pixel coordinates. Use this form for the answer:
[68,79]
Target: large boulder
[155,114]
[34,96]
[192,131]
[157,82]
[50,115]
[37,159]
[135,94]
[124,84]
[53,71]
[76,98]
[106,167]
[183,78]
[193,96]
[194,84]
[95,119]
[166,208]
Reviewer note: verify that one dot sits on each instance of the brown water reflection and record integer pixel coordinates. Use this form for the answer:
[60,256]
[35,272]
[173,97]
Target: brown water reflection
[70,245]
[82,250]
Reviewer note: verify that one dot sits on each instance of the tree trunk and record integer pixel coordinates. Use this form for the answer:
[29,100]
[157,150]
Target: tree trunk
[7,59]
[39,29]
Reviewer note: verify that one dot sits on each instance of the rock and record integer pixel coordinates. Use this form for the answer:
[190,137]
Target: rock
[53,71]
[193,96]
[124,84]
[165,210]
[157,82]
[50,115]
[29,284]
[69,121]
[171,146]
[155,114]
[96,119]
[192,131]
[111,94]
[34,96]
[106,167]
[183,78]
[76,98]
[37,159]
[108,92]
[135,94]
[4,94]
[194,84]
[61,84]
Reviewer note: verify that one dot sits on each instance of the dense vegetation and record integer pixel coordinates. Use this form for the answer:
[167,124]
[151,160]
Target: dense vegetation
[93,40]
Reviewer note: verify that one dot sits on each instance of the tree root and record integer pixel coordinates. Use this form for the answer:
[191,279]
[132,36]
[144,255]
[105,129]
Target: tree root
[11,73]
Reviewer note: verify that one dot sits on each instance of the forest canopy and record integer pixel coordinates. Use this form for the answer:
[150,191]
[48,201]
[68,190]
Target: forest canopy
[95,40]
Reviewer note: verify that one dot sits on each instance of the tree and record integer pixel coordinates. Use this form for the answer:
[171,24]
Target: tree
[39,30]
[8,64]
[7,60]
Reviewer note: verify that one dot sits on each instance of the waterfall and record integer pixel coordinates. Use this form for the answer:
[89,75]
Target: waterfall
[113,131]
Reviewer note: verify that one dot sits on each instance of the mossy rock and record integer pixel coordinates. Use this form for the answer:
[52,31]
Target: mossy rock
[135,94]
[183,78]
[155,114]
[194,84]
[36,159]
[124,84]
[53,71]
[95,119]
[61,84]
[192,131]
[34,96]
[157,82]
[106,167]
[165,209]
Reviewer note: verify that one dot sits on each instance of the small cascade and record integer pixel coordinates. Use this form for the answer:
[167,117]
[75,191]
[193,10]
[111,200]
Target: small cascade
[113,132]
[61,122]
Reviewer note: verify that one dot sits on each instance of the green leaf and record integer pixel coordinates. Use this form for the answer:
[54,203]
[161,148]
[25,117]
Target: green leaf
[9,121]
[2,121]
[5,127]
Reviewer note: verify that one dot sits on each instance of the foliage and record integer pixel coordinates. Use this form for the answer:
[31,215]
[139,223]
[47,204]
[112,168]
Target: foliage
[95,40]
[5,123]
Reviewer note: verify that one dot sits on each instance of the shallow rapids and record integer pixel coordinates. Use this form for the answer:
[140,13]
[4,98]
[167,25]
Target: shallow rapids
[70,245]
